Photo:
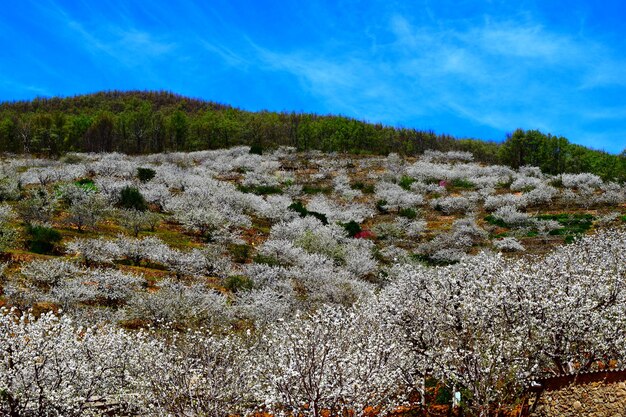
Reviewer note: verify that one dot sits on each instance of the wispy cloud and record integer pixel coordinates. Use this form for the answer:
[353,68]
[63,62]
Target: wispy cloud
[497,74]
[129,46]
[227,55]
[7,83]
[462,67]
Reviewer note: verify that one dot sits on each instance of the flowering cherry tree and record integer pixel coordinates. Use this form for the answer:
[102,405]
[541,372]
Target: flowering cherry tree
[333,360]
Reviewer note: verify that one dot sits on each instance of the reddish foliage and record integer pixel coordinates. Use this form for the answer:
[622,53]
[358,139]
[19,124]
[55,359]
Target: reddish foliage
[365,234]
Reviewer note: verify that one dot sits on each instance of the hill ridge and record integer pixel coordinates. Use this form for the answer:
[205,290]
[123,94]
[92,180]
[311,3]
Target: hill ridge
[139,122]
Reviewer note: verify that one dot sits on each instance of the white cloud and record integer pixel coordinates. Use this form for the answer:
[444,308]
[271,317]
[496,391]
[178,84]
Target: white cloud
[498,74]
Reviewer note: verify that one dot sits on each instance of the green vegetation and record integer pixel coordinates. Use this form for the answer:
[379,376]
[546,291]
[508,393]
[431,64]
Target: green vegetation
[240,253]
[352,228]
[429,261]
[572,223]
[365,188]
[299,208]
[41,239]
[491,219]
[145,174]
[260,189]
[406,181]
[131,198]
[265,259]
[146,122]
[381,206]
[256,149]
[462,183]
[236,283]
[409,213]
[314,189]
[86,184]
[556,155]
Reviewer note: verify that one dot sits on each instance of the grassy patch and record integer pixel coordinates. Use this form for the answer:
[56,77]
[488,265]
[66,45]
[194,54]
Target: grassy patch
[557,182]
[266,260]
[240,253]
[42,239]
[86,184]
[364,187]
[427,260]
[406,181]
[236,283]
[409,213]
[174,238]
[571,224]
[315,189]
[462,183]
[491,219]
[505,184]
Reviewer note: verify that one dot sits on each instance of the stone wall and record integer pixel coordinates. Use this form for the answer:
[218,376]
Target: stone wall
[604,398]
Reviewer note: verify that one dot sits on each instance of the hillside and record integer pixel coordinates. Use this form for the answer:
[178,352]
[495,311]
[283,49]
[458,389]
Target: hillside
[139,122]
[230,282]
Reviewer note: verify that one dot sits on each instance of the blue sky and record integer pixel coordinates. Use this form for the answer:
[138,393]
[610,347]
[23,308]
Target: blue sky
[467,68]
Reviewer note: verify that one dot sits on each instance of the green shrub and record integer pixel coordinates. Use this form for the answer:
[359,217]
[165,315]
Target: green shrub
[406,181]
[380,206]
[557,182]
[441,394]
[314,189]
[8,237]
[72,159]
[409,213]
[577,223]
[427,260]
[236,283]
[299,208]
[256,149]
[131,198]
[42,239]
[145,174]
[352,228]
[303,212]
[267,260]
[496,222]
[320,216]
[240,253]
[365,188]
[505,184]
[462,183]
[86,184]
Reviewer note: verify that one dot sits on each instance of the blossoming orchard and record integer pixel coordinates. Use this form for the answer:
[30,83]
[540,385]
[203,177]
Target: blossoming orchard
[221,283]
